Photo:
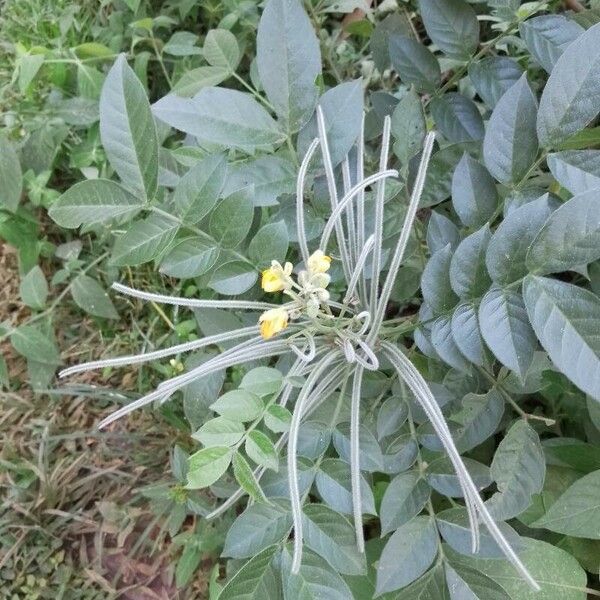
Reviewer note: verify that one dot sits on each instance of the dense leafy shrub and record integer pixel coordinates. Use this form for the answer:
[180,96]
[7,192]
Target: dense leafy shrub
[506,325]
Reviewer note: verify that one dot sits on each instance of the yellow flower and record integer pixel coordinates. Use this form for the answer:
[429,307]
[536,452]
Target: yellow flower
[276,277]
[318,262]
[272,322]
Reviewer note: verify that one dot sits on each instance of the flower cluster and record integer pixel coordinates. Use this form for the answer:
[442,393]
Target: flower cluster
[308,292]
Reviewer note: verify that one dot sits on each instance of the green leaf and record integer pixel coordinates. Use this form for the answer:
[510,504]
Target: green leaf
[438,181]
[468,274]
[315,581]
[577,511]
[506,329]
[408,127]
[445,344]
[570,238]
[289,61]
[11,179]
[548,36]
[239,405]
[442,478]
[331,535]
[188,563]
[457,117]
[269,176]
[510,144]
[29,66]
[415,63]
[198,190]
[127,130]
[261,450]
[245,477]
[270,243]
[452,26]
[565,106]
[206,466]
[470,584]
[404,498]
[221,116]
[93,201]
[145,240]
[182,43]
[391,416]
[278,418]
[262,381]
[435,281]
[257,528]
[191,82]
[32,343]
[576,170]
[467,333]
[258,579]
[454,527]
[474,195]
[557,572]
[231,220]
[479,417]
[441,231]
[333,484]
[518,468]
[221,49]
[493,76]
[34,288]
[220,432]
[564,318]
[370,455]
[90,296]
[408,553]
[189,258]
[233,277]
[507,250]
[342,112]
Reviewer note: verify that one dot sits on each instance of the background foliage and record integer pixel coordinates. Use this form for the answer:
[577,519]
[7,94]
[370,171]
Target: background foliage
[159,143]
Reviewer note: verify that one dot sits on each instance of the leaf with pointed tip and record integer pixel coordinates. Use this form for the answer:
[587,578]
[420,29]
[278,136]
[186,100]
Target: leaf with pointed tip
[145,240]
[127,129]
[198,190]
[288,60]
[576,170]
[468,274]
[518,468]
[474,195]
[441,231]
[435,281]
[342,108]
[467,333]
[479,417]
[506,329]
[506,254]
[566,106]
[445,345]
[206,466]
[457,117]
[404,498]
[548,36]
[408,127]
[565,319]
[577,511]
[570,238]
[493,76]
[452,26]
[415,63]
[94,201]
[11,178]
[258,579]
[510,144]
[257,528]
[442,477]
[408,553]
[332,536]
[221,116]
[316,580]
[465,583]
[90,296]
[189,258]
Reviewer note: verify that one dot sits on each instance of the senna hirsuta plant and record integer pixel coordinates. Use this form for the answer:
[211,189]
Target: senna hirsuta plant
[375,424]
